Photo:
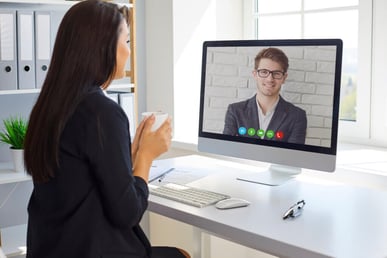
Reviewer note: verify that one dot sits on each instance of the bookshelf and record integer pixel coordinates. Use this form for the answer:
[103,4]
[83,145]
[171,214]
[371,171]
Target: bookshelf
[16,98]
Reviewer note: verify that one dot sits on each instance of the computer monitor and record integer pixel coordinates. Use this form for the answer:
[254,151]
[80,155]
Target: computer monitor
[274,101]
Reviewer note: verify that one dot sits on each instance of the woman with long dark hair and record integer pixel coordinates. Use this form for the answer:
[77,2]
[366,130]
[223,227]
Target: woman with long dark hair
[90,182]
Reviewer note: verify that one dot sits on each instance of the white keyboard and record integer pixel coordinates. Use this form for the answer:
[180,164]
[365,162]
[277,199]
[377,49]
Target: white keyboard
[187,194]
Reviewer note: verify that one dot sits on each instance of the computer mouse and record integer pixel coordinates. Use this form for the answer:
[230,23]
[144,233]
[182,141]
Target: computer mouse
[231,203]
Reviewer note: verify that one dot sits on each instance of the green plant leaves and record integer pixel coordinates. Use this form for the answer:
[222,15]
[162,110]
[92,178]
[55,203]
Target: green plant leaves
[14,132]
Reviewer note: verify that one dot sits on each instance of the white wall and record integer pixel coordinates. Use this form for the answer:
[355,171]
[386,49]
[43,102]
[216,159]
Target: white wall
[159,55]
[194,21]
[379,81]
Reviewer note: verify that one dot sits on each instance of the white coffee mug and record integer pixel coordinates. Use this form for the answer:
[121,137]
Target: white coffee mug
[160,117]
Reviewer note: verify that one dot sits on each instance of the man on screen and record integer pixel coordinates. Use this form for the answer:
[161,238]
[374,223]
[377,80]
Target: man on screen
[267,115]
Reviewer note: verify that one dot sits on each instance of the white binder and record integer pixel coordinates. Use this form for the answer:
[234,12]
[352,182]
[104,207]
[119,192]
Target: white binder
[26,52]
[43,36]
[56,19]
[127,103]
[8,54]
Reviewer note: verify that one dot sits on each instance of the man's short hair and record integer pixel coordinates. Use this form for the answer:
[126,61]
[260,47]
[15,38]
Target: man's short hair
[275,54]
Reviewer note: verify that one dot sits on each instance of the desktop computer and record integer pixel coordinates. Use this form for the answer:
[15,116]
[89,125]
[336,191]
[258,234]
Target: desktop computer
[274,101]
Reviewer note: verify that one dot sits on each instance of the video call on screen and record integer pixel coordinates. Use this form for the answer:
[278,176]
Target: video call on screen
[309,86]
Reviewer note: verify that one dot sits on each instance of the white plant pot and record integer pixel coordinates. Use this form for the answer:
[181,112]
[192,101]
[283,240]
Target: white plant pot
[18,160]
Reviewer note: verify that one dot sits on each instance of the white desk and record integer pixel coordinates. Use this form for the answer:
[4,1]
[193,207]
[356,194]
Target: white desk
[339,220]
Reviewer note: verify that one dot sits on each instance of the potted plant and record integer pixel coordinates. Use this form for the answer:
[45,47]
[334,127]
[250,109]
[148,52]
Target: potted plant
[13,133]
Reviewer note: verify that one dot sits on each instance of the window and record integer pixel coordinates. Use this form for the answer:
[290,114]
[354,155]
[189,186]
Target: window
[276,19]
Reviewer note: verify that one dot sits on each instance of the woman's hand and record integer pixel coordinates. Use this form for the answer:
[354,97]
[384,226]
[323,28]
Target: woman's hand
[148,145]
[136,140]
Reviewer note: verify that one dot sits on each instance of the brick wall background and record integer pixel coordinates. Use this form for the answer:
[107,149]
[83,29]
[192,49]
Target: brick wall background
[310,85]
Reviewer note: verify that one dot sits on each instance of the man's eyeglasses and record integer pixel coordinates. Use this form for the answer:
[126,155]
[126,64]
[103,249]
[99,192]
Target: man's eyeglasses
[264,73]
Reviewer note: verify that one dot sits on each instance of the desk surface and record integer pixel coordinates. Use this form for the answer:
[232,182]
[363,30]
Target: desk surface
[339,220]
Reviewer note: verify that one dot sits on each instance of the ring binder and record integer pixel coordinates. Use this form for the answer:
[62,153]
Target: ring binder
[8,63]
[127,101]
[25,43]
[42,45]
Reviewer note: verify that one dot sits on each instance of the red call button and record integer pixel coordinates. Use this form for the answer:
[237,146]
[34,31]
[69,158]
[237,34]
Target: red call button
[279,135]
